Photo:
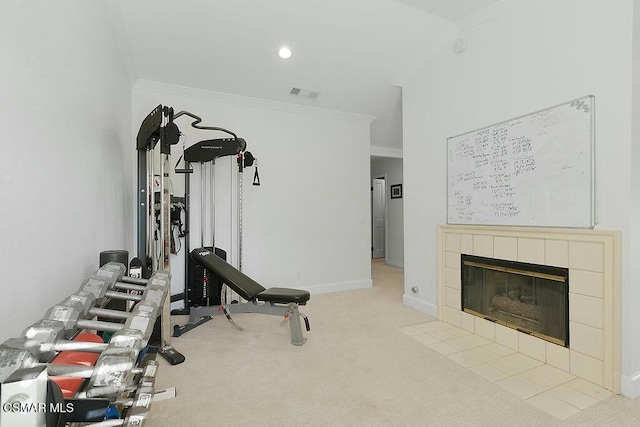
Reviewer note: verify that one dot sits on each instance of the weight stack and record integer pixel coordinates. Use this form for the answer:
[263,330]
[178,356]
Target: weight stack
[204,288]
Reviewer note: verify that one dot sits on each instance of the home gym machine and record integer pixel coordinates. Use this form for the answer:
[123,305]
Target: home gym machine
[154,230]
[203,289]
[202,294]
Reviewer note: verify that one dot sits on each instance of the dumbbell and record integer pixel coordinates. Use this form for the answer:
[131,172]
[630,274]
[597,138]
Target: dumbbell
[112,374]
[73,311]
[42,352]
[81,304]
[105,284]
[136,408]
[139,406]
[24,352]
[110,277]
[12,359]
[37,349]
[141,318]
[18,353]
[139,411]
[48,332]
[64,318]
[117,271]
[61,320]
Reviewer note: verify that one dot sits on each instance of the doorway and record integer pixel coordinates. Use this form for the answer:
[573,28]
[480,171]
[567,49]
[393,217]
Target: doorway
[378,217]
[387,213]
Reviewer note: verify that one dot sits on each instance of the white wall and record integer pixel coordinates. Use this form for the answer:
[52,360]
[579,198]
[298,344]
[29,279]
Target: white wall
[391,168]
[536,56]
[307,225]
[65,143]
[631,316]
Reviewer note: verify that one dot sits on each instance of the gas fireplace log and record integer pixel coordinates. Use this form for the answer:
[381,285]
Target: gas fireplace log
[508,305]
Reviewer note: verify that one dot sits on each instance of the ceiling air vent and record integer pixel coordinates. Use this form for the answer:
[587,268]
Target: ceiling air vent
[304,93]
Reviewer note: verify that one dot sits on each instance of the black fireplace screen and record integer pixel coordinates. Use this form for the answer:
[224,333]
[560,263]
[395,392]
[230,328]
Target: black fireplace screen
[531,298]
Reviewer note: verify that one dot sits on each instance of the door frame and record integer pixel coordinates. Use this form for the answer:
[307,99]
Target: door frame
[386,181]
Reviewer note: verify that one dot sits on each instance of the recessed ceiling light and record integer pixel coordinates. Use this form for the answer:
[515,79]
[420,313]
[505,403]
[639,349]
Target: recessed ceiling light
[284,52]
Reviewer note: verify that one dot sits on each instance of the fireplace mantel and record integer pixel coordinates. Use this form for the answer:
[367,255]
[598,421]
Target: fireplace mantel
[593,260]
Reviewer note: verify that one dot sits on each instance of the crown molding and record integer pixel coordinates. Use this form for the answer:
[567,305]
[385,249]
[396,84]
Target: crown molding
[386,152]
[487,14]
[151,86]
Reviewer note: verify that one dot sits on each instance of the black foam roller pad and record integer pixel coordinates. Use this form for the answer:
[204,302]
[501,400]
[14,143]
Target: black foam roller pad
[121,256]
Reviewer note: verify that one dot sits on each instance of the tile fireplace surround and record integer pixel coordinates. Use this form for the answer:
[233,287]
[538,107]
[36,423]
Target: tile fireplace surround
[593,260]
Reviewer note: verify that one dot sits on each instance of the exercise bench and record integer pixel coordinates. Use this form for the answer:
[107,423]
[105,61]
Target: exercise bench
[276,301]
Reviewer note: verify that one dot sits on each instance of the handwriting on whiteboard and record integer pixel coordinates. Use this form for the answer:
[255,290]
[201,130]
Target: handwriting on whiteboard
[515,171]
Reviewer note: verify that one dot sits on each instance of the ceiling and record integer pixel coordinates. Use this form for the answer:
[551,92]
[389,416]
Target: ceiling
[352,52]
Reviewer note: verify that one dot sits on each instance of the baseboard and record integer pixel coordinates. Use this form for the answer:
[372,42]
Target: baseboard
[339,287]
[420,305]
[394,263]
[630,386]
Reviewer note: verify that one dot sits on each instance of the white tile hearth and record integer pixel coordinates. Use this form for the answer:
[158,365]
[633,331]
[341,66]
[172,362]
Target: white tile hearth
[592,258]
[555,391]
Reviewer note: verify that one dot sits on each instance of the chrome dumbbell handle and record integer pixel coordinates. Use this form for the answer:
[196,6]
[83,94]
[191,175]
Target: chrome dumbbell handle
[134,280]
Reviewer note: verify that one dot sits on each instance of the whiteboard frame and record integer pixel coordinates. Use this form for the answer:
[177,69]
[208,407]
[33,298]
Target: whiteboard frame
[592,119]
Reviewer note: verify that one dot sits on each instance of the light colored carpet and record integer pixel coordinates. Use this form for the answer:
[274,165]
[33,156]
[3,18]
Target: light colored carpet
[355,369]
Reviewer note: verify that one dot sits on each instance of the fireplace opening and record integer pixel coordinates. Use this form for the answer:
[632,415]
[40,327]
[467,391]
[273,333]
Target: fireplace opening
[530,298]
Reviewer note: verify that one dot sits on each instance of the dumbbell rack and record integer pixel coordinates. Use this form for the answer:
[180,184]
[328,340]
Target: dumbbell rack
[48,365]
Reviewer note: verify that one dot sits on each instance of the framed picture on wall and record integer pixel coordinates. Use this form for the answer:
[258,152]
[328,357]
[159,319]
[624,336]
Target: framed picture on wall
[396,191]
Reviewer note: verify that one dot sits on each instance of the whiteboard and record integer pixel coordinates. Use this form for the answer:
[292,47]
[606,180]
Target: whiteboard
[535,170]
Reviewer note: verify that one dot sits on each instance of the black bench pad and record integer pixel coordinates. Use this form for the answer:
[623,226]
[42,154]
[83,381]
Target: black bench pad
[284,296]
[244,285]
